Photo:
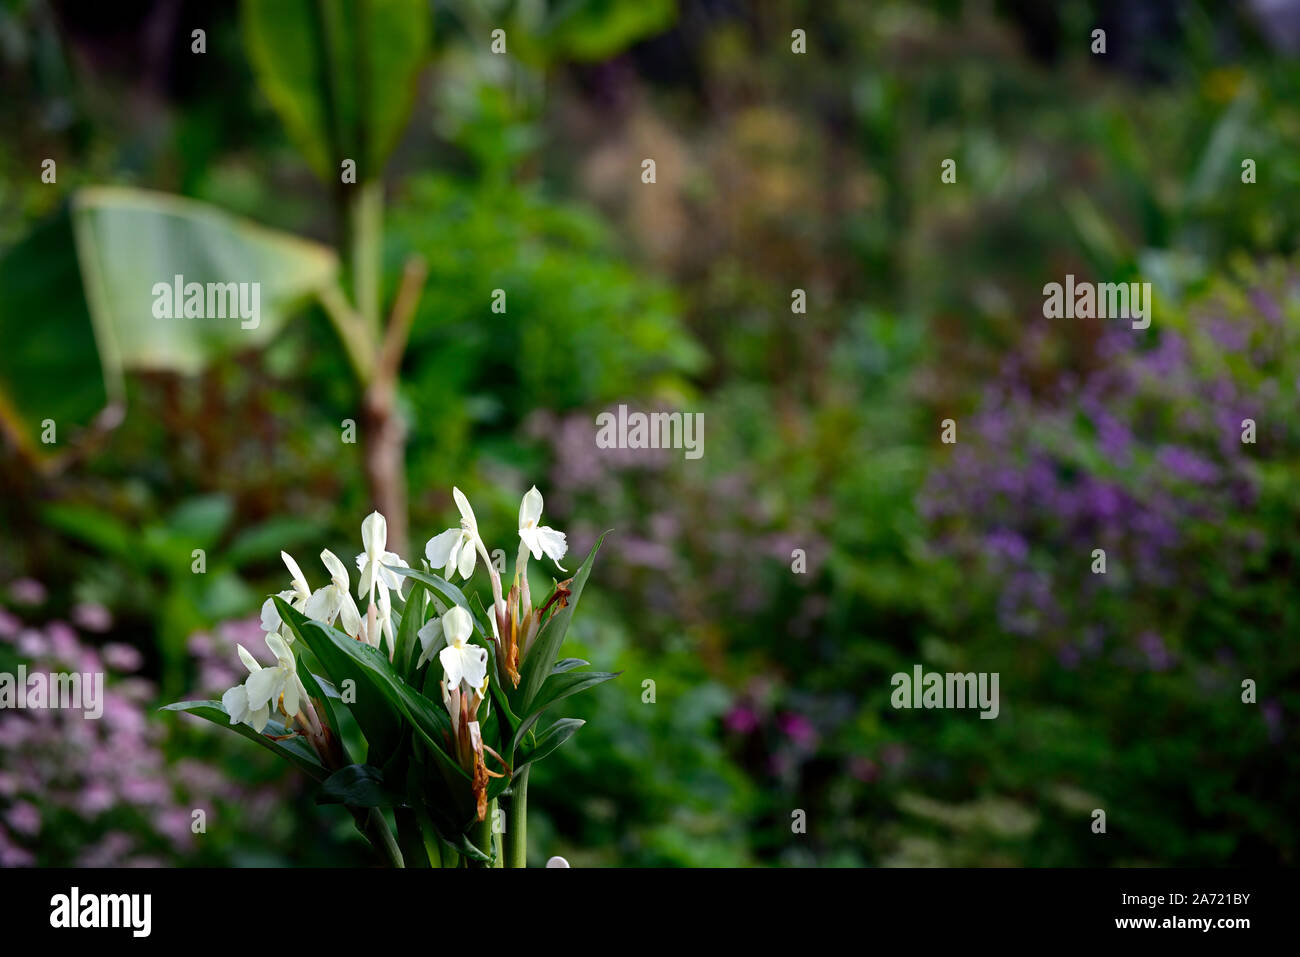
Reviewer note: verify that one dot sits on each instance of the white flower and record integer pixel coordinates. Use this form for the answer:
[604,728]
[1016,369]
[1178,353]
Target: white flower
[428,635]
[371,562]
[461,661]
[267,686]
[335,599]
[454,549]
[235,700]
[297,597]
[539,539]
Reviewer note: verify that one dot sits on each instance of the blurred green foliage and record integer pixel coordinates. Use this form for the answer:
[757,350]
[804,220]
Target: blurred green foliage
[776,172]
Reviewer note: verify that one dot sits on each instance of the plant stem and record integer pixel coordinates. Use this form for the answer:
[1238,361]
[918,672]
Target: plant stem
[377,832]
[516,837]
[365,217]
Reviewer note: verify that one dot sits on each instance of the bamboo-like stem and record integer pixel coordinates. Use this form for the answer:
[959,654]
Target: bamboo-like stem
[516,837]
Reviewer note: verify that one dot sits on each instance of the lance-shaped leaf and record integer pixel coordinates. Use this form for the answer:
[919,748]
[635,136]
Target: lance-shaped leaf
[556,688]
[541,656]
[442,587]
[341,74]
[359,785]
[408,640]
[378,717]
[343,655]
[549,740]
[292,749]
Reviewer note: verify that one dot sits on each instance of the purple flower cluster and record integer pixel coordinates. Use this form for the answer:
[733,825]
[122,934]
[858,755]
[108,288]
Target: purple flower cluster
[1139,451]
[95,793]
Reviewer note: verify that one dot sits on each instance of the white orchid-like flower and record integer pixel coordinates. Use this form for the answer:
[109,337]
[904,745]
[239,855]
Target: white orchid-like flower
[462,662]
[539,539]
[371,562]
[455,549]
[277,685]
[297,597]
[334,601]
[235,700]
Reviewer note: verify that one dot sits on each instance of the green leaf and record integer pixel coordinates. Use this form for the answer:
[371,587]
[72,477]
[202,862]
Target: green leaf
[594,30]
[133,243]
[407,634]
[359,785]
[341,73]
[378,716]
[550,739]
[541,657]
[376,679]
[317,694]
[568,664]
[556,688]
[443,587]
[49,366]
[293,749]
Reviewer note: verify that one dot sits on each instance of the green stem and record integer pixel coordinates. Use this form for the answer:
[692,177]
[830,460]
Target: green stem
[365,214]
[380,836]
[516,837]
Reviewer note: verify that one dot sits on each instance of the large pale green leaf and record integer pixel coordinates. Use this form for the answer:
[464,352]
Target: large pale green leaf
[132,244]
[341,74]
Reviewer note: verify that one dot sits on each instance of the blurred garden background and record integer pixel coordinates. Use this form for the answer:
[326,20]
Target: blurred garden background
[775,171]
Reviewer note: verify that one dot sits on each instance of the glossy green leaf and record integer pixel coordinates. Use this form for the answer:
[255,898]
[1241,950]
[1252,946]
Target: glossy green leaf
[550,739]
[407,635]
[345,655]
[376,712]
[557,688]
[293,749]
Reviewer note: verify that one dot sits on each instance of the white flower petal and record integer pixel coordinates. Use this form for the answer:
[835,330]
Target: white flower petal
[438,549]
[452,665]
[374,534]
[270,616]
[258,718]
[553,543]
[474,666]
[324,604]
[246,656]
[291,696]
[338,571]
[350,617]
[300,587]
[430,636]
[465,561]
[262,686]
[457,625]
[468,521]
[235,701]
[281,651]
[530,509]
